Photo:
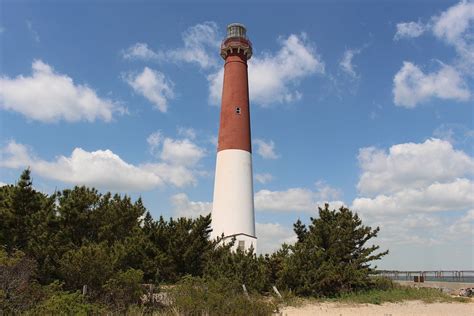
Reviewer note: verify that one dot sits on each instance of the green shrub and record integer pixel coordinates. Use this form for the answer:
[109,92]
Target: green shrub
[397,294]
[123,289]
[90,265]
[18,289]
[198,296]
[66,303]
[381,283]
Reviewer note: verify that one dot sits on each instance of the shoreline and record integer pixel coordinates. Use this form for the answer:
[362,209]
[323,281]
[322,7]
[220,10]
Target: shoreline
[405,308]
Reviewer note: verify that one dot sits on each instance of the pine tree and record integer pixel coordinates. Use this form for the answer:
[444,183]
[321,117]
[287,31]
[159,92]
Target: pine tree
[331,255]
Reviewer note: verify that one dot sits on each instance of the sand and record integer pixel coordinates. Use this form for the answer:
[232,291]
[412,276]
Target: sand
[407,308]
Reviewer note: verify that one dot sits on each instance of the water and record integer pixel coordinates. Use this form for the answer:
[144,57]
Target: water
[466,279]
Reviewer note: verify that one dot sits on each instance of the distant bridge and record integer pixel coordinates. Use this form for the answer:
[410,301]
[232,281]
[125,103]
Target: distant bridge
[435,275]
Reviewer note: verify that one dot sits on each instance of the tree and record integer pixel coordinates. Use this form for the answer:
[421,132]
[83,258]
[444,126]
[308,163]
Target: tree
[331,255]
[18,204]
[90,265]
[18,290]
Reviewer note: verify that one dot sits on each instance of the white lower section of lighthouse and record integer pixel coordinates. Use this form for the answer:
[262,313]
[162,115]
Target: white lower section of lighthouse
[233,209]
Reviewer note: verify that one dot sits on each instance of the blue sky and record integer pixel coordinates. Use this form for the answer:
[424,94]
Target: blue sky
[365,104]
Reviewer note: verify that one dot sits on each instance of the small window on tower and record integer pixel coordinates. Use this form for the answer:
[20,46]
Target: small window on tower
[241,245]
[237,110]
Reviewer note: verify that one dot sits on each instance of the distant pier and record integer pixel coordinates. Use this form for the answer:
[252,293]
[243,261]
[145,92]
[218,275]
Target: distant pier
[463,276]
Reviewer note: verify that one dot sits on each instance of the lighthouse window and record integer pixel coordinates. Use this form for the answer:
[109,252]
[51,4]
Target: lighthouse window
[241,245]
[237,110]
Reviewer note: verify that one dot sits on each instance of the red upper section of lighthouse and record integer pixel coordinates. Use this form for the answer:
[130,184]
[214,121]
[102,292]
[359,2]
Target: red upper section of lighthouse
[234,130]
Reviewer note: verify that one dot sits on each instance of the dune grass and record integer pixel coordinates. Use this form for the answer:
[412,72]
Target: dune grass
[395,294]
[399,294]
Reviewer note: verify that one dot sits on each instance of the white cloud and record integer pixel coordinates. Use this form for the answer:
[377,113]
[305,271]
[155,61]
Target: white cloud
[266,149]
[154,141]
[48,96]
[455,26]
[346,62]
[182,152]
[293,199]
[140,51]
[411,166]
[263,177]
[273,78]
[176,175]
[435,197]
[187,132]
[3,184]
[106,170]
[154,86]
[409,30]
[454,133]
[183,207]
[272,235]
[297,199]
[101,168]
[414,178]
[403,190]
[412,86]
[464,225]
[201,44]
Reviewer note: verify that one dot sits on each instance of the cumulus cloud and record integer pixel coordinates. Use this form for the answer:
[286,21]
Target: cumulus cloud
[154,141]
[409,30]
[463,225]
[49,96]
[263,177]
[182,152]
[183,207]
[101,168]
[346,62]
[297,199]
[200,42]
[106,170]
[453,195]
[141,51]
[411,86]
[411,165]
[266,149]
[153,85]
[414,178]
[270,236]
[455,26]
[273,78]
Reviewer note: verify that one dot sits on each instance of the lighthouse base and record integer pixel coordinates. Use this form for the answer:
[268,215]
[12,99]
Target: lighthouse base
[232,210]
[243,242]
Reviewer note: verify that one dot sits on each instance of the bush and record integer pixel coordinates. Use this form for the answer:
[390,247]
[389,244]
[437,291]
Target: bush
[381,283]
[18,289]
[67,303]
[90,265]
[123,289]
[199,296]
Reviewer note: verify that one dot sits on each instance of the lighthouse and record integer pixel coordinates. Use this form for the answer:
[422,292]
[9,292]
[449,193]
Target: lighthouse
[233,207]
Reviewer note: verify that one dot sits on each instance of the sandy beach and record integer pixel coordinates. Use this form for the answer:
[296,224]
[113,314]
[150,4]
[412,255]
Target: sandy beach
[408,308]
